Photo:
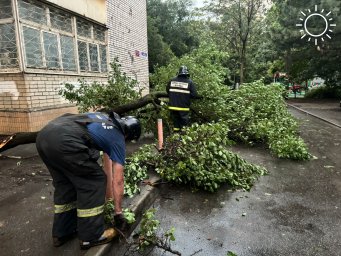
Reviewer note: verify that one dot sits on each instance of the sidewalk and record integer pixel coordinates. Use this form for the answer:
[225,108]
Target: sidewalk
[327,110]
[26,205]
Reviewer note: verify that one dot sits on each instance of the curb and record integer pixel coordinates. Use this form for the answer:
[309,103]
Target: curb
[139,204]
[311,114]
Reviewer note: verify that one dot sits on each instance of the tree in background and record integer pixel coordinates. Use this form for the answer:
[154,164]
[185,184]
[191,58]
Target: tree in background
[237,23]
[302,59]
[169,30]
[160,53]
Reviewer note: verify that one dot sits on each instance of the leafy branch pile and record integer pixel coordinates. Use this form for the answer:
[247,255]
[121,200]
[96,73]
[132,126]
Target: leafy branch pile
[258,113]
[199,157]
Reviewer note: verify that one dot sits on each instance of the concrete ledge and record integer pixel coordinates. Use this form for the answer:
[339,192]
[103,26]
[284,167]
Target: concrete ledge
[138,205]
[311,114]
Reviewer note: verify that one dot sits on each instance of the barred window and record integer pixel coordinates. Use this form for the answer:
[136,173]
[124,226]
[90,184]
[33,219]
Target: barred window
[33,50]
[103,58]
[49,39]
[5,9]
[61,20]
[8,47]
[32,11]
[83,56]
[99,33]
[51,50]
[68,53]
[83,28]
[93,51]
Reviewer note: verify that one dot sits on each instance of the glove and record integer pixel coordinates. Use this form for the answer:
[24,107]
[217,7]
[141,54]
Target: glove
[120,222]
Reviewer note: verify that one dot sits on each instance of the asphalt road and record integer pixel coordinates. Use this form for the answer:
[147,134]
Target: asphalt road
[26,205]
[295,210]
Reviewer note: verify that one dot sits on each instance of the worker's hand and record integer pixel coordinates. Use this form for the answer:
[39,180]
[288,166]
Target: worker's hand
[120,222]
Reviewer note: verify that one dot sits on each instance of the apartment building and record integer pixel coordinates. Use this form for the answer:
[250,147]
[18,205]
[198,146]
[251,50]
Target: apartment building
[45,44]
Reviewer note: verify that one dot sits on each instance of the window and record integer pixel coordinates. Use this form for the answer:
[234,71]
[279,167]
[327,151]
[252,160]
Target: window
[103,58]
[5,9]
[60,20]
[68,53]
[93,51]
[83,56]
[34,56]
[99,33]
[83,28]
[8,47]
[32,11]
[51,50]
[50,39]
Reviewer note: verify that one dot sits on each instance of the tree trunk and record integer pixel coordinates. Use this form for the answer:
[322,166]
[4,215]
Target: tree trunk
[14,140]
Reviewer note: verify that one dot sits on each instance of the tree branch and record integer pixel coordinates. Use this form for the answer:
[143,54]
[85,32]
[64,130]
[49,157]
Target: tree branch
[16,139]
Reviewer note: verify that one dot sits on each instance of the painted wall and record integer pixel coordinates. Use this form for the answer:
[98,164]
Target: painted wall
[93,9]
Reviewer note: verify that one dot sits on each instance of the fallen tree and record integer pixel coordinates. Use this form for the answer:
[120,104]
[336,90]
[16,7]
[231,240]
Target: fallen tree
[153,98]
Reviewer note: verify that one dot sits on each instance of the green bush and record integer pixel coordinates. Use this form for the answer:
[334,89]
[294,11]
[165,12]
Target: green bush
[120,89]
[324,92]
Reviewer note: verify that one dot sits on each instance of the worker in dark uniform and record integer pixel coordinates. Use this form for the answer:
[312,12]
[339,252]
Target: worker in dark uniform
[69,146]
[180,91]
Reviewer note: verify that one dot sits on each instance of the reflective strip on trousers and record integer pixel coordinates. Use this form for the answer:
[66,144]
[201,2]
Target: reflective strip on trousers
[180,91]
[178,109]
[85,213]
[60,208]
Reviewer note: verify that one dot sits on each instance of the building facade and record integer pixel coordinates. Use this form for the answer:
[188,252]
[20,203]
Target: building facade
[45,44]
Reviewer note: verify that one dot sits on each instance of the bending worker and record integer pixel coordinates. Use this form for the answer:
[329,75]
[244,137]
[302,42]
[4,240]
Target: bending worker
[69,146]
[180,91]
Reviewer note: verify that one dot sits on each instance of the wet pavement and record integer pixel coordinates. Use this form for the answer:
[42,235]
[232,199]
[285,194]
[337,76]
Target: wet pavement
[26,204]
[295,210]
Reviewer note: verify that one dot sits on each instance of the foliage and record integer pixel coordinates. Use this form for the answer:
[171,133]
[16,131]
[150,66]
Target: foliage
[109,212]
[258,113]
[134,172]
[119,90]
[148,236]
[199,157]
[324,92]
[229,253]
[238,28]
[205,67]
[303,59]
[159,52]
[173,21]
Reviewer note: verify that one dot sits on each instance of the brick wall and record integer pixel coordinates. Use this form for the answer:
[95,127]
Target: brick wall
[29,101]
[127,22]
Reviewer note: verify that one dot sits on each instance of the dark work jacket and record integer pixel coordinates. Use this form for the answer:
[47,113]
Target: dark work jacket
[180,91]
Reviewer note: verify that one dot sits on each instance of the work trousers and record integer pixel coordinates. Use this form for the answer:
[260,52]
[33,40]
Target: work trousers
[79,181]
[180,119]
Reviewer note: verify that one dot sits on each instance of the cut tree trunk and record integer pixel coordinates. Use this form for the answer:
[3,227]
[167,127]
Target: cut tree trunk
[16,139]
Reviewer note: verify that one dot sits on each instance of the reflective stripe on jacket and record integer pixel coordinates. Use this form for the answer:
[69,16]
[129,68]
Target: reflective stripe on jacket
[180,91]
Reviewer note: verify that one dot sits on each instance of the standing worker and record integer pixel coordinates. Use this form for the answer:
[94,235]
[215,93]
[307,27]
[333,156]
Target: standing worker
[69,146]
[180,90]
